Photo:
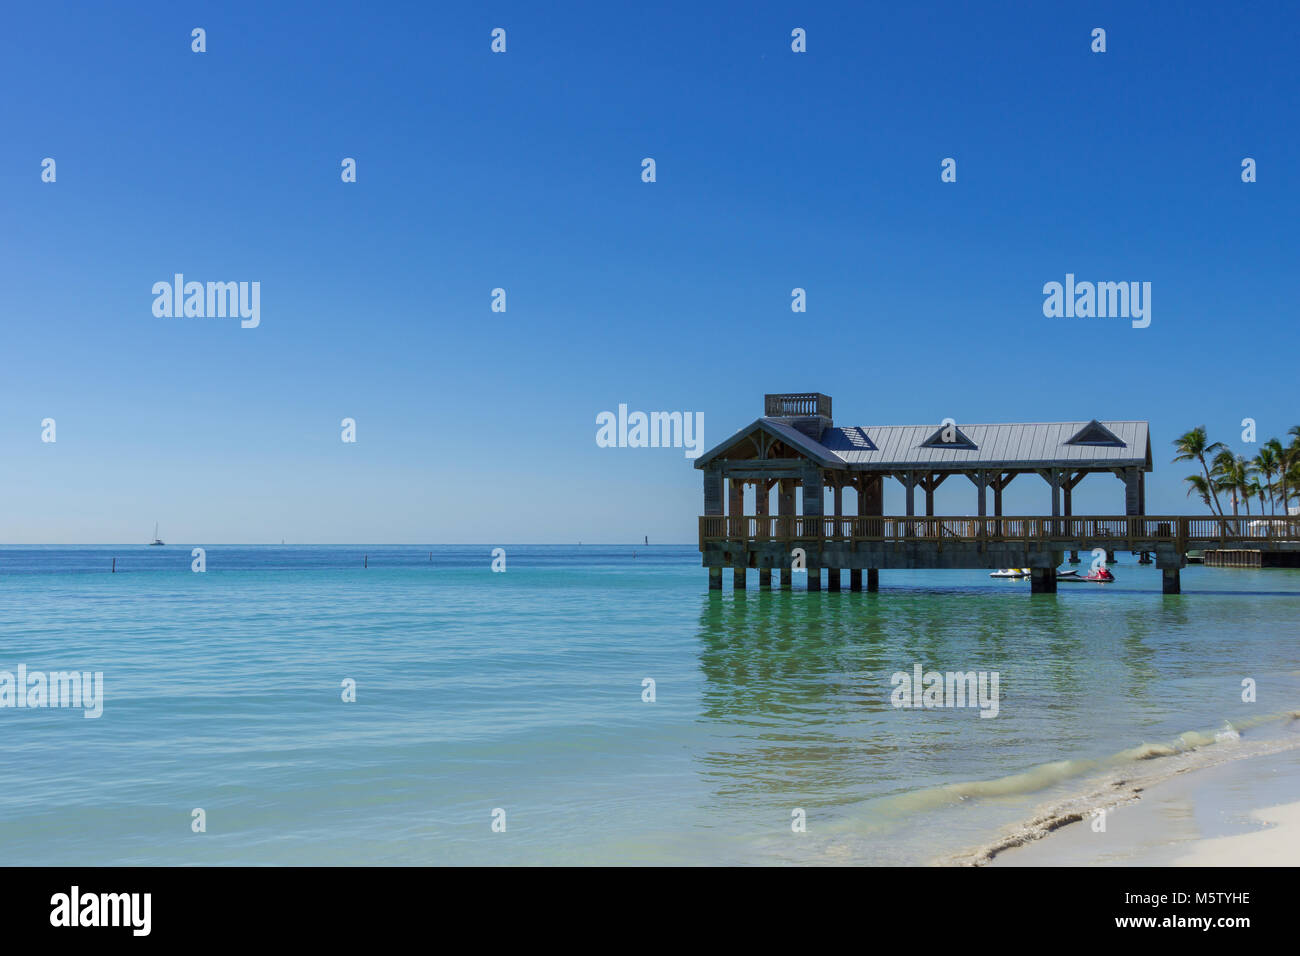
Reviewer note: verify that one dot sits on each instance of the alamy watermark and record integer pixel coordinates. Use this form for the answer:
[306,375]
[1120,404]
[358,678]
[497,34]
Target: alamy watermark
[1102,300]
[215,300]
[37,689]
[129,910]
[655,430]
[927,690]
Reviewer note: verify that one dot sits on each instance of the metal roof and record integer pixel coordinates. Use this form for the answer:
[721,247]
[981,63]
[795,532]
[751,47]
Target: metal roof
[1019,445]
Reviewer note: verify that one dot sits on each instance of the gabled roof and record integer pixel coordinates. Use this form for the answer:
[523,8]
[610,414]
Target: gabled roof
[777,429]
[949,436]
[1009,446]
[1095,433]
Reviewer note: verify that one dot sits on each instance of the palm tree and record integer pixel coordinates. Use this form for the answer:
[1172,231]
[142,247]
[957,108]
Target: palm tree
[1195,445]
[1265,463]
[1260,489]
[1290,468]
[1201,487]
[1292,475]
[1282,460]
[1226,476]
[1244,474]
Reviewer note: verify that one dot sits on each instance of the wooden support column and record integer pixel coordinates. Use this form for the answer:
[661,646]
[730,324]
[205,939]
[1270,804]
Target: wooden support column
[1068,493]
[860,482]
[874,489]
[981,480]
[1170,581]
[999,484]
[738,529]
[813,505]
[785,510]
[1067,490]
[1144,558]
[908,478]
[1042,580]
[1053,476]
[1133,504]
[833,576]
[929,482]
[875,485]
[1132,491]
[712,490]
[762,493]
[713,506]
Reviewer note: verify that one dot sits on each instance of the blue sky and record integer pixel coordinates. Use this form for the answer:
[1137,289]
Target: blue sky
[477,170]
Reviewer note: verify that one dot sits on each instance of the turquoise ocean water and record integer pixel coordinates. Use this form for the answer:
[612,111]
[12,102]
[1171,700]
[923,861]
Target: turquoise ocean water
[523,691]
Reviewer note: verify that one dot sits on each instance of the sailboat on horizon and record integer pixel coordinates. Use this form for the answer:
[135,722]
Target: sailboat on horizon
[157,541]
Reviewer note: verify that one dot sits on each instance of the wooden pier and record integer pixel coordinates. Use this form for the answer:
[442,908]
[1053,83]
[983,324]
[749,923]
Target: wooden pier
[1234,558]
[1253,557]
[796,448]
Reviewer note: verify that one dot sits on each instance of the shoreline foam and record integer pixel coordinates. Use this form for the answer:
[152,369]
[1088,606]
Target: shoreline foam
[1128,775]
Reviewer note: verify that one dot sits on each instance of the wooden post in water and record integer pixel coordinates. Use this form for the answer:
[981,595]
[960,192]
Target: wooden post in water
[860,483]
[367,562]
[1042,580]
[813,505]
[762,489]
[713,507]
[736,512]
[874,506]
[1067,490]
[785,512]
[834,577]
[114,571]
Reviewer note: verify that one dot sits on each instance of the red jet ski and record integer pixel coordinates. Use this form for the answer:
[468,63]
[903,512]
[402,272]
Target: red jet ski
[1100,576]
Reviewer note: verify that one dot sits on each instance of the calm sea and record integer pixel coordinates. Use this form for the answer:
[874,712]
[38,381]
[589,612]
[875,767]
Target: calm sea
[523,691]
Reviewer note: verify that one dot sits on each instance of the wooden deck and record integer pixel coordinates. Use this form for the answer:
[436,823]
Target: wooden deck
[1115,533]
[811,544]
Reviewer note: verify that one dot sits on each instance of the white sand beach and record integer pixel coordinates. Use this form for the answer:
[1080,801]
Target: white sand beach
[1241,812]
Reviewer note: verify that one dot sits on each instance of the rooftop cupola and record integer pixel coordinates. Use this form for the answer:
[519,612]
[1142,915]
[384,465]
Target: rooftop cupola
[807,412]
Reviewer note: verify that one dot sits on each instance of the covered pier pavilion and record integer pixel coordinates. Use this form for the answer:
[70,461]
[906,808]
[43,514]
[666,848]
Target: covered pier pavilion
[797,451]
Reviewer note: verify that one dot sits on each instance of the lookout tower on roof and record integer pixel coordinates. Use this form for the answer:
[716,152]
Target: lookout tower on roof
[806,412]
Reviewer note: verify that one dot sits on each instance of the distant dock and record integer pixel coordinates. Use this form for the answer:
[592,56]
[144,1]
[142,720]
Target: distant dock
[1251,558]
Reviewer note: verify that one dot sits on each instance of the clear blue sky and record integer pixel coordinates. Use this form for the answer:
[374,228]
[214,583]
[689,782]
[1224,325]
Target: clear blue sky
[522,170]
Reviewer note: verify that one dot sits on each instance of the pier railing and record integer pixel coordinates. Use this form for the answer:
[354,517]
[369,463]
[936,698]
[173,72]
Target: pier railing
[1112,532]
